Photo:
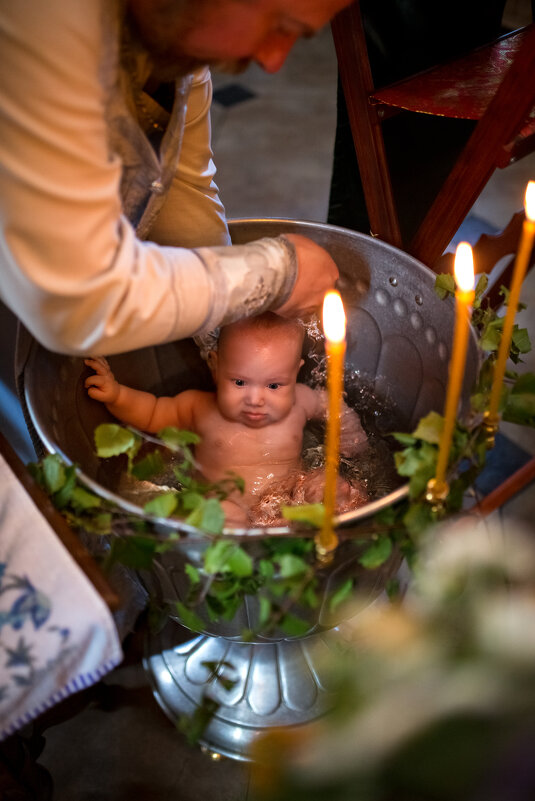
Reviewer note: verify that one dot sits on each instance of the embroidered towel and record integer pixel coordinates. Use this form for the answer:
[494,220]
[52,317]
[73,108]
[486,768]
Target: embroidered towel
[57,635]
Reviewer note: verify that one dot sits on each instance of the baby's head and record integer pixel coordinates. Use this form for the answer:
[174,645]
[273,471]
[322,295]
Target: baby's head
[255,368]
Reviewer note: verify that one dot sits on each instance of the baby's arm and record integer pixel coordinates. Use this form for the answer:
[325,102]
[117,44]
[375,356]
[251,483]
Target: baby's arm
[134,407]
[353,438]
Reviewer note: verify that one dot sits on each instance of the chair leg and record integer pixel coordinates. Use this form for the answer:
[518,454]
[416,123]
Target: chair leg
[357,83]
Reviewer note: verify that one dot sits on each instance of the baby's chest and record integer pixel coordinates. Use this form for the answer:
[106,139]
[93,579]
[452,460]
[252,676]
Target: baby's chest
[241,444]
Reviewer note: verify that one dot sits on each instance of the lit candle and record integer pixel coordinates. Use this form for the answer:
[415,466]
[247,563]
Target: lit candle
[437,488]
[334,327]
[521,264]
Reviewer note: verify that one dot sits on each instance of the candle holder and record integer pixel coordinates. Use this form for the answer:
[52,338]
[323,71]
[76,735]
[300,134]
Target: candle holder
[436,493]
[325,555]
[491,423]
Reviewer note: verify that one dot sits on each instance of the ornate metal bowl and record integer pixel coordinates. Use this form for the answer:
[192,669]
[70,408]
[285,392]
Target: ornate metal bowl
[399,336]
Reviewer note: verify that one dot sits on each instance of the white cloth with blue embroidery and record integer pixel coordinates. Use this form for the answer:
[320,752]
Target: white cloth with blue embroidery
[57,636]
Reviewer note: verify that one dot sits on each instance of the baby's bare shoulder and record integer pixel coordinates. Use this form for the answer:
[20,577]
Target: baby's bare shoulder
[195,400]
[311,400]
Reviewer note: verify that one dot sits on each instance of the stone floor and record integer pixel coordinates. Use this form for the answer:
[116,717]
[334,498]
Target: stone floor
[273,142]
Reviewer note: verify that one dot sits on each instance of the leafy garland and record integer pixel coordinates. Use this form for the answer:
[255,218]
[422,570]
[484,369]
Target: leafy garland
[285,568]
[283,573]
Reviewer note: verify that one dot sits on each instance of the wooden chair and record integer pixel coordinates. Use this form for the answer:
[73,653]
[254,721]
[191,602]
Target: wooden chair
[494,85]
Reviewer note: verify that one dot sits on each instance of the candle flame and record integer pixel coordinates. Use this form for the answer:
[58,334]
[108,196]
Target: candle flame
[529,202]
[464,267]
[334,319]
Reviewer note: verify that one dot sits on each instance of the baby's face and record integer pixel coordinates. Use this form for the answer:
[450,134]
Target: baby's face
[255,376]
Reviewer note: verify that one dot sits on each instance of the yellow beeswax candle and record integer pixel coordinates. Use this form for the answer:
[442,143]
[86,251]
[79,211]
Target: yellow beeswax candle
[464,297]
[521,263]
[334,326]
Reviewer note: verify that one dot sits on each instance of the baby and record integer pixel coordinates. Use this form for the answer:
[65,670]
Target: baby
[251,425]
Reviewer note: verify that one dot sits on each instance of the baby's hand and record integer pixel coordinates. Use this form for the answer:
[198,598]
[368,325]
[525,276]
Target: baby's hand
[353,438]
[102,386]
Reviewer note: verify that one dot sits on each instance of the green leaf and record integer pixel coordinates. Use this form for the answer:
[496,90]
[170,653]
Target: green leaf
[491,336]
[295,545]
[266,568]
[163,505]
[428,458]
[182,477]
[134,551]
[444,285]
[418,518]
[224,557]
[481,286]
[524,384]
[213,518]
[63,496]
[101,524]
[419,464]
[192,573]
[82,499]
[196,515]
[207,515]
[479,401]
[175,438]
[53,473]
[430,428]
[191,499]
[342,594]
[225,588]
[458,489]
[312,514]
[520,408]
[188,617]
[293,626]
[376,554]
[387,516]
[215,666]
[403,438]
[277,588]
[264,610]
[217,675]
[194,726]
[35,469]
[157,616]
[407,461]
[112,439]
[291,565]
[240,563]
[506,295]
[216,555]
[231,607]
[149,466]
[393,589]
[309,596]
[521,340]
[223,608]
